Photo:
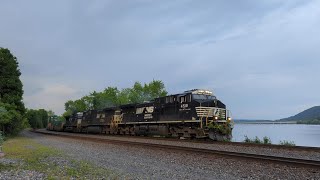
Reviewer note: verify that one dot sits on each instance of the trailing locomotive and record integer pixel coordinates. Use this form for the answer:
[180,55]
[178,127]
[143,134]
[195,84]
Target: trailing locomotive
[192,114]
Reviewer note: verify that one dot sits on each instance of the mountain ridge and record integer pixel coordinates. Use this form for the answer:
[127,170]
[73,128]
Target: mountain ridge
[308,114]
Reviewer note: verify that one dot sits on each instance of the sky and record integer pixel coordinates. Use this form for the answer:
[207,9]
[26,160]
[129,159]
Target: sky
[261,58]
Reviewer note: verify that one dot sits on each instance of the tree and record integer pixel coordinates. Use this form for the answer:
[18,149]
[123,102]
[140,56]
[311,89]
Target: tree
[75,106]
[112,96]
[7,114]
[149,91]
[10,93]
[136,93]
[155,89]
[44,117]
[37,118]
[50,113]
[123,96]
[31,115]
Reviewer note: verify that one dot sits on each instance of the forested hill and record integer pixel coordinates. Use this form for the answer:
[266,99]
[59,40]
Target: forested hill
[309,114]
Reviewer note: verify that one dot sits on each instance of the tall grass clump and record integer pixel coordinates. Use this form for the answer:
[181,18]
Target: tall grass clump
[266,140]
[256,140]
[287,143]
[246,139]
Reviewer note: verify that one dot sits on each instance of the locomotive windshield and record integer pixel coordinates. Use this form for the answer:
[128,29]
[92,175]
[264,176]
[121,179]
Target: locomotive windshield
[203,98]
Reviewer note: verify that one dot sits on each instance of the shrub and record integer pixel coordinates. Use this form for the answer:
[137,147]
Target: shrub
[266,140]
[1,138]
[256,140]
[220,128]
[246,139]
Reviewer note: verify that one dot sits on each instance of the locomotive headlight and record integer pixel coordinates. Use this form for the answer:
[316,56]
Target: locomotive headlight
[229,118]
[216,118]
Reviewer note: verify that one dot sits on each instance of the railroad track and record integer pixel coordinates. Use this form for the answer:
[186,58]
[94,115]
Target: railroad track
[210,141]
[257,157]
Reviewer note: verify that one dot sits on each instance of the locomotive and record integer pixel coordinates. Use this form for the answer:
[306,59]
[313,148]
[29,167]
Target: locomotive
[192,114]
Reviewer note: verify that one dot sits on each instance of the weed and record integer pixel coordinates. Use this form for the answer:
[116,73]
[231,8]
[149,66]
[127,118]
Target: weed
[226,140]
[266,140]
[287,143]
[256,140]
[5,166]
[246,139]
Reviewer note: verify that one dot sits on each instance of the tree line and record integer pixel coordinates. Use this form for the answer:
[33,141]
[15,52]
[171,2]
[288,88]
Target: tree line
[38,118]
[310,121]
[15,117]
[112,96]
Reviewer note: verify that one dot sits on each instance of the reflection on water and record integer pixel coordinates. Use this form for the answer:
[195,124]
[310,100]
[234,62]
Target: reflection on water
[302,135]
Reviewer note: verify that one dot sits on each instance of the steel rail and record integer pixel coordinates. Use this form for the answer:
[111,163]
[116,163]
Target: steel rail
[212,142]
[258,157]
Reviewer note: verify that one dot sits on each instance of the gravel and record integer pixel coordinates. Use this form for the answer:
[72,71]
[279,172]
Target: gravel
[7,161]
[151,163]
[18,174]
[21,175]
[263,150]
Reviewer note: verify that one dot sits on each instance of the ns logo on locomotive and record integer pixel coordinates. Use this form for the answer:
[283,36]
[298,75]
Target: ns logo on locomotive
[192,114]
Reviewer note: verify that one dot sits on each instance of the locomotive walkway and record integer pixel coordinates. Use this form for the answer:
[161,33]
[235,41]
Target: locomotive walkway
[291,156]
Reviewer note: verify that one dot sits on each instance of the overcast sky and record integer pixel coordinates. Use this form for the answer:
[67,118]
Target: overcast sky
[260,57]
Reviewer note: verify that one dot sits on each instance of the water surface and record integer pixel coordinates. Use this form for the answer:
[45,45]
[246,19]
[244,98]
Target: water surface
[302,135]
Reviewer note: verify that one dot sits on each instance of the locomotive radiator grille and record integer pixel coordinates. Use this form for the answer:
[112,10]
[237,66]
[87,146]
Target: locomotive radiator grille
[211,112]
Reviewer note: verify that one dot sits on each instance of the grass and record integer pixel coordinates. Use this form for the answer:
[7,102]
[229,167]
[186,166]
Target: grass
[287,143]
[37,157]
[266,140]
[256,140]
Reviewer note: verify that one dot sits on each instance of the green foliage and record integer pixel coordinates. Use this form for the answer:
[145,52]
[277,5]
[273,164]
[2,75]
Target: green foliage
[56,120]
[256,140]
[266,140]
[50,113]
[220,128]
[1,138]
[287,143]
[11,105]
[43,116]
[226,140]
[246,139]
[11,121]
[37,118]
[112,96]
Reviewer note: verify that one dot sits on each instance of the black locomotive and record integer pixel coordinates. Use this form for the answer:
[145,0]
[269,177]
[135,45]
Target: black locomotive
[192,114]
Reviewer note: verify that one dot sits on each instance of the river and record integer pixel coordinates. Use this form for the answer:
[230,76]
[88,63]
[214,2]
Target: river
[300,134]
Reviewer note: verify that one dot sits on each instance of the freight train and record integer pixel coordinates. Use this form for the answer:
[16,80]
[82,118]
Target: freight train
[192,114]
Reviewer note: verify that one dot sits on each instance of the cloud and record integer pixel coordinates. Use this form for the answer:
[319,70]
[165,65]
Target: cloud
[51,97]
[259,57]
